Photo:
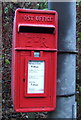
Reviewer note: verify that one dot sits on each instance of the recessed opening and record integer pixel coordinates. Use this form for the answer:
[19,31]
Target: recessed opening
[35,29]
[36,54]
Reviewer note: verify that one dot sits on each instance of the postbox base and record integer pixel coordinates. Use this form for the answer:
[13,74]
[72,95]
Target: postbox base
[35,110]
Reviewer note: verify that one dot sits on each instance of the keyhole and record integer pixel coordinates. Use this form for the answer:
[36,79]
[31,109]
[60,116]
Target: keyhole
[24,79]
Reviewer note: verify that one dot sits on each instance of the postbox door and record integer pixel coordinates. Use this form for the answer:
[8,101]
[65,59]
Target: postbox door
[41,95]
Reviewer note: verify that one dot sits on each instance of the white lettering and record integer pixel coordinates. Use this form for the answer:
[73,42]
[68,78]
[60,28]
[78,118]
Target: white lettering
[38,18]
[43,18]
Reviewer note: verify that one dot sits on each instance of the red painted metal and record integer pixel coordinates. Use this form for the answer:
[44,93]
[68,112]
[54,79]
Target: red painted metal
[34,30]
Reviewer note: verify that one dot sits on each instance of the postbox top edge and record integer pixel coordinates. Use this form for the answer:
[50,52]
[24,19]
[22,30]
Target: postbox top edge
[22,10]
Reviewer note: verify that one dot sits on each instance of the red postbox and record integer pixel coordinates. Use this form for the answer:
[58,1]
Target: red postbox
[34,60]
